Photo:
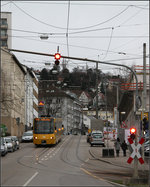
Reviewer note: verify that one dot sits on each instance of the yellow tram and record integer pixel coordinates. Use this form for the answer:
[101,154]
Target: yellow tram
[47,130]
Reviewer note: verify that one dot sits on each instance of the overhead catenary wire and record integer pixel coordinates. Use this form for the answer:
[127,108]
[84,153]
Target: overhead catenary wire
[77,32]
[95,25]
[82,47]
[88,4]
[102,36]
[130,17]
[109,44]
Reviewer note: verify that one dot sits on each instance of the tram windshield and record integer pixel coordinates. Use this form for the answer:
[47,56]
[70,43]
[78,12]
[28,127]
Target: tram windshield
[43,127]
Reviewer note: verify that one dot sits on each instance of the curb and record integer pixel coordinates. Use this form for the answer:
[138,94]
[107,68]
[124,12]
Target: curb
[109,162]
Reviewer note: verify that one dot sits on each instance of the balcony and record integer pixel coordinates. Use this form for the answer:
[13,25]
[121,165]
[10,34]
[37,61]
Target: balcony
[4,37]
[4,26]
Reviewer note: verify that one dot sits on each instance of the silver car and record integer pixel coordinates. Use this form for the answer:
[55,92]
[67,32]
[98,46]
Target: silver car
[27,136]
[3,147]
[11,146]
[17,146]
[97,138]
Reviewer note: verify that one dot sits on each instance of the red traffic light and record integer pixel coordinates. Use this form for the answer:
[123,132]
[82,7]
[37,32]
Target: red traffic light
[57,56]
[57,62]
[132,130]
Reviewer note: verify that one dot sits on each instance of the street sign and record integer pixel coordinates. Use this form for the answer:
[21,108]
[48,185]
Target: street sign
[124,125]
[135,151]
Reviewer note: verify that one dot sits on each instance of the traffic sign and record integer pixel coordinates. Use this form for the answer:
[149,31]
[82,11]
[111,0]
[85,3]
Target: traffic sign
[123,125]
[135,151]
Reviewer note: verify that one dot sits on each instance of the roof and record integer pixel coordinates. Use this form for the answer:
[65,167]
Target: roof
[15,59]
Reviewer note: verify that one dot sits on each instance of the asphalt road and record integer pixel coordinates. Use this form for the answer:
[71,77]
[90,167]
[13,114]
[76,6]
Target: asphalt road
[66,164]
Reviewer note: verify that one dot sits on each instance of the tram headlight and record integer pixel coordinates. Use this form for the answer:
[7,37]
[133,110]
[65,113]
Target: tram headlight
[51,138]
[35,137]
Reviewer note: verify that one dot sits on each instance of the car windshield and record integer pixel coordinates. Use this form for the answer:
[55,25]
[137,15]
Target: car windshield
[8,140]
[96,135]
[14,138]
[27,134]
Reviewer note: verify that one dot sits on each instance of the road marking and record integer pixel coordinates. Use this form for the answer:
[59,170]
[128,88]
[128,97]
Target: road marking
[89,173]
[30,179]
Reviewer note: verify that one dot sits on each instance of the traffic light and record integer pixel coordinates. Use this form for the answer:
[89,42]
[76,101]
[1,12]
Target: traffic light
[145,124]
[132,133]
[57,58]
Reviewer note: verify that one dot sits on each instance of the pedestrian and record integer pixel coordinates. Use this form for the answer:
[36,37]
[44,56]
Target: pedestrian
[124,147]
[117,146]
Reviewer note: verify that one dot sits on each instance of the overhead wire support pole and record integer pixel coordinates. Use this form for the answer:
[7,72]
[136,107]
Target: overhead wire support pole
[88,60]
[97,90]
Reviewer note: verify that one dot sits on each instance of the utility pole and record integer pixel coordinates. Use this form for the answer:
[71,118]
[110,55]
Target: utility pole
[97,90]
[144,92]
[149,121]
[135,172]
[106,116]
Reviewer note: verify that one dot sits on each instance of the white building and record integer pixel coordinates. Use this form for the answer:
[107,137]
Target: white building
[31,97]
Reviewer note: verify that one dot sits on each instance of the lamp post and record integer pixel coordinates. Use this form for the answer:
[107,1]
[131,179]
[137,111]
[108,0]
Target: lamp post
[105,88]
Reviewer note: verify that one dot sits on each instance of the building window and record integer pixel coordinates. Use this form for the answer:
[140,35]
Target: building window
[3,21]
[3,43]
[3,32]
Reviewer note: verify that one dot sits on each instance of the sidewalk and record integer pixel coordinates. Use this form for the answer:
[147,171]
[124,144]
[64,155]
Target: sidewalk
[120,161]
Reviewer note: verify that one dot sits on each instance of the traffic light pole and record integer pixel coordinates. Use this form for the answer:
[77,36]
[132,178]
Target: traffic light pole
[137,100]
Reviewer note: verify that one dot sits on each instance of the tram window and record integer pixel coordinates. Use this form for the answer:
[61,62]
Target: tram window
[43,127]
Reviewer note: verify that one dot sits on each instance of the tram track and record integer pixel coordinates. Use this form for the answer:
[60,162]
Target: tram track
[65,151]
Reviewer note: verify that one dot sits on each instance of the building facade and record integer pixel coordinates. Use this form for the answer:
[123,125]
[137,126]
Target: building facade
[31,97]
[6,32]
[12,94]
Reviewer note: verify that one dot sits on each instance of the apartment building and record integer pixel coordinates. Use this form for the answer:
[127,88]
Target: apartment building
[12,94]
[6,32]
[31,97]
[57,103]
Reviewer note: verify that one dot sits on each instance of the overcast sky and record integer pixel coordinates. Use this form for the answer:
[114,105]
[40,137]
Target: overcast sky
[99,30]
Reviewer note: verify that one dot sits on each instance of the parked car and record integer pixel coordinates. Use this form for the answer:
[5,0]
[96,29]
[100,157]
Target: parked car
[11,145]
[88,137]
[97,138]
[15,138]
[27,136]
[4,149]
